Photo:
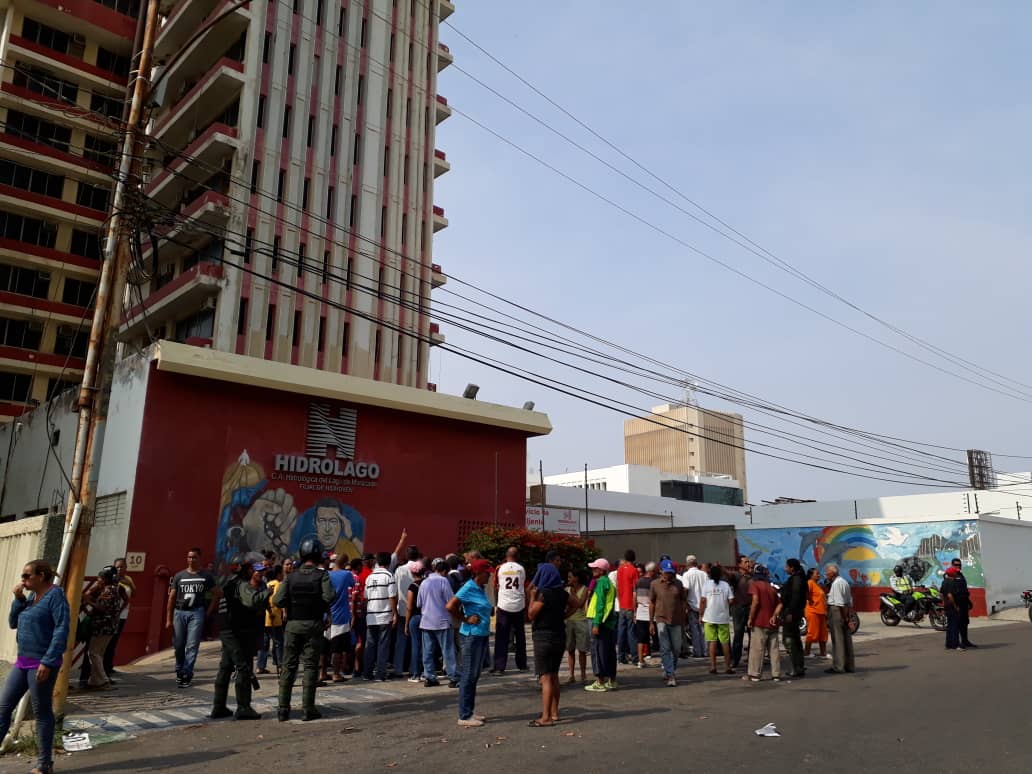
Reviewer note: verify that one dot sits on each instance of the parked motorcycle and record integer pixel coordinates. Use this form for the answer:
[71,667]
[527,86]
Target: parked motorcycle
[1026,596]
[927,602]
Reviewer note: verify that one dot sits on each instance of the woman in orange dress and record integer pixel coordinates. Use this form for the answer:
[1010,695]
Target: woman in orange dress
[816,614]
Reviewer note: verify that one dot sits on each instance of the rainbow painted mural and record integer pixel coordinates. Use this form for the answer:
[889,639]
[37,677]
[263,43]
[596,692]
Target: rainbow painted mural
[866,553]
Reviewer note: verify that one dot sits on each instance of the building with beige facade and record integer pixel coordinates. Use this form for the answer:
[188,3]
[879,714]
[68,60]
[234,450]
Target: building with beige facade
[688,440]
[293,166]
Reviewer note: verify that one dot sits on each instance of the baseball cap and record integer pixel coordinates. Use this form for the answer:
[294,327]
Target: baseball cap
[952,571]
[599,564]
[761,571]
[260,567]
[478,566]
[667,566]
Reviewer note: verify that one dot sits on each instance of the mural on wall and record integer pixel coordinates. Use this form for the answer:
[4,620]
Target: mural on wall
[867,553]
[253,517]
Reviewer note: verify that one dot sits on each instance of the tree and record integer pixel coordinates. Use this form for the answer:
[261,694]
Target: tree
[492,543]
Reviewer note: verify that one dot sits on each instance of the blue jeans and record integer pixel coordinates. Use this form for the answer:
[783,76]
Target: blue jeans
[272,640]
[377,646]
[472,664]
[401,646]
[42,696]
[187,628]
[442,638]
[416,638]
[626,644]
[669,645]
[695,629]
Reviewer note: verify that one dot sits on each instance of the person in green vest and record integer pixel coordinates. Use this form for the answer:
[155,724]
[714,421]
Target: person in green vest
[602,614]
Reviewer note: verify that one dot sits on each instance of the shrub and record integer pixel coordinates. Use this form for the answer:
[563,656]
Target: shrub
[492,543]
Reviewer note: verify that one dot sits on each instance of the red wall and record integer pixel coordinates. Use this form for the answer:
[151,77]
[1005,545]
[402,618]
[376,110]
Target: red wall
[437,479]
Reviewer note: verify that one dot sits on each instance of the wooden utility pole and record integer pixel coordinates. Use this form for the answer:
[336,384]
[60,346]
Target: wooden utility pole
[95,394]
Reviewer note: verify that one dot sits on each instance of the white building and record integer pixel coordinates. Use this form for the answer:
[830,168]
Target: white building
[633,479]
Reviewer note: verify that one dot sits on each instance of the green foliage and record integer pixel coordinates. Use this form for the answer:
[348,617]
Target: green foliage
[492,543]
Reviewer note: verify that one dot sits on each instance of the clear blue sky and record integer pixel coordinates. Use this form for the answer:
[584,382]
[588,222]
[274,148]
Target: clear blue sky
[883,149]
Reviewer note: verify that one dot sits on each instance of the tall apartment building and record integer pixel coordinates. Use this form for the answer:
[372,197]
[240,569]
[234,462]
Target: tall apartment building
[707,443]
[296,139]
[61,63]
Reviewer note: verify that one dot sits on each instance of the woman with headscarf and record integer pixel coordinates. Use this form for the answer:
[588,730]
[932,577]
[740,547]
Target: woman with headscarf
[549,607]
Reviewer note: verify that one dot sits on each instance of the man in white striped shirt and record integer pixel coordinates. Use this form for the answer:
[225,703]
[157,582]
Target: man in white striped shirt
[381,594]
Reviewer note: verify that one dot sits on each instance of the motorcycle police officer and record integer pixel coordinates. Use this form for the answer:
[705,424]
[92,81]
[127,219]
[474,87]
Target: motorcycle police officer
[306,595]
[903,586]
[241,615]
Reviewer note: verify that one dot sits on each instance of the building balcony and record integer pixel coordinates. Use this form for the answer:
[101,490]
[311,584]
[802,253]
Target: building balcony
[31,361]
[444,57]
[14,251]
[441,164]
[112,24]
[185,17]
[445,9]
[210,209]
[436,337]
[213,146]
[18,305]
[443,111]
[39,206]
[184,295]
[440,222]
[53,109]
[200,104]
[49,159]
[68,67]
[437,276]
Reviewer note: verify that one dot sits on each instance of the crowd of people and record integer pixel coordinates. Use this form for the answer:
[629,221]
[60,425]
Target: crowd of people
[383,616]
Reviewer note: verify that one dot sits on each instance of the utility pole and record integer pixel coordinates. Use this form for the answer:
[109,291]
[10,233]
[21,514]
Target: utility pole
[95,394]
[587,521]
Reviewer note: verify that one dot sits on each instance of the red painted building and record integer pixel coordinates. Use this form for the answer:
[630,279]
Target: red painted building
[238,454]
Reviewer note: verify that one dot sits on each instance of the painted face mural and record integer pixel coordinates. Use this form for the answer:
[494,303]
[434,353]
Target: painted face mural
[866,553]
[255,518]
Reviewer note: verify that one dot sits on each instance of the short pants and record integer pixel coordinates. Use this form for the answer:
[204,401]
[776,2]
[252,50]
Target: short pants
[642,635]
[577,635]
[548,651]
[717,632]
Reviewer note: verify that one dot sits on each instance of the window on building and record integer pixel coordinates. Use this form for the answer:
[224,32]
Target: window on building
[400,353]
[23,281]
[47,36]
[337,78]
[405,170]
[311,130]
[112,107]
[242,317]
[383,223]
[345,339]
[319,12]
[261,111]
[57,386]
[86,244]
[100,151]
[391,52]
[267,48]
[290,59]
[15,388]
[281,185]
[296,336]
[334,136]
[275,253]
[361,90]
[330,201]
[71,341]
[376,347]
[404,228]
[33,231]
[255,172]
[37,130]
[321,343]
[78,292]
[408,112]
[270,322]
[353,212]
[286,122]
[358,149]
[302,249]
[363,36]
[112,62]
[306,189]
[29,179]
[248,245]
[200,325]
[325,266]
[93,196]
[390,103]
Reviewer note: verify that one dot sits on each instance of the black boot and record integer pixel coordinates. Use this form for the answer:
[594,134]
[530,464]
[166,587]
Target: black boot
[282,715]
[220,712]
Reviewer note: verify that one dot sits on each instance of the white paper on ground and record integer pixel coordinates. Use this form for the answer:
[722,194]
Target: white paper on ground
[77,742]
[768,730]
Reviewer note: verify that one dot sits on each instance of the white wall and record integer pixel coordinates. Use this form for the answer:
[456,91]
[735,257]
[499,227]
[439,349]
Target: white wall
[618,510]
[1006,548]
[630,479]
[1007,503]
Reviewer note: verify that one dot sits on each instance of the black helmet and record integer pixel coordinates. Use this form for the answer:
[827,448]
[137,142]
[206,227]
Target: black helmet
[109,574]
[310,548]
[898,569]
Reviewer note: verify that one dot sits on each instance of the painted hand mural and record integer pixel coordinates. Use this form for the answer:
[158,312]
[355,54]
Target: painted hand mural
[867,553]
[254,518]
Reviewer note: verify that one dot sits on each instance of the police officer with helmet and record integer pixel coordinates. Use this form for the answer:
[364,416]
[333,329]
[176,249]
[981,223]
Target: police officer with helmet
[306,595]
[241,616]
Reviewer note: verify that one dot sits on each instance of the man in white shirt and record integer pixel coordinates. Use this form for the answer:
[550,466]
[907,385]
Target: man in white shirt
[402,580]
[840,603]
[381,593]
[693,580]
[511,584]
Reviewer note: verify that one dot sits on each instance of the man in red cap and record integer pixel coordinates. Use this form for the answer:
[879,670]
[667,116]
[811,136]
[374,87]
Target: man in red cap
[957,601]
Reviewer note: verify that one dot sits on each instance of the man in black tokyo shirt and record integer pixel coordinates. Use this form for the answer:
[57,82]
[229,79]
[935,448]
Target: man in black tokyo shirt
[192,596]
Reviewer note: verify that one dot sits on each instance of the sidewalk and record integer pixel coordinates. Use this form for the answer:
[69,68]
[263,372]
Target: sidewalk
[148,699]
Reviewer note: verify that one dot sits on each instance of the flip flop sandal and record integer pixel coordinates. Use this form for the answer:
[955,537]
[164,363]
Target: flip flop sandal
[538,724]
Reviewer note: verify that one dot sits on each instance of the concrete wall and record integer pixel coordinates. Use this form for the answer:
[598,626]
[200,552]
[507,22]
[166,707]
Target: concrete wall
[710,544]
[1006,548]
[19,543]
[617,510]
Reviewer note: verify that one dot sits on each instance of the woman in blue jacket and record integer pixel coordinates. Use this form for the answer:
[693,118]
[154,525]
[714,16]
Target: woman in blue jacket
[40,614]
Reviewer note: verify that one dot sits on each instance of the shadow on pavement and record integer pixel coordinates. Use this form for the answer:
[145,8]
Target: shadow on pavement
[161,763]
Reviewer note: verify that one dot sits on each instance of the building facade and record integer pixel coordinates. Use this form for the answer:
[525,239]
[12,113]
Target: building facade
[688,440]
[292,184]
[65,66]
[643,480]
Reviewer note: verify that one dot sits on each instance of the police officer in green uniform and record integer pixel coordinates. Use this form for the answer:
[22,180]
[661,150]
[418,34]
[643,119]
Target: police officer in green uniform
[306,595]
[241,616]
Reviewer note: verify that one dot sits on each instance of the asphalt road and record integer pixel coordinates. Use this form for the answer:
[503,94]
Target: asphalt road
[911,706]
